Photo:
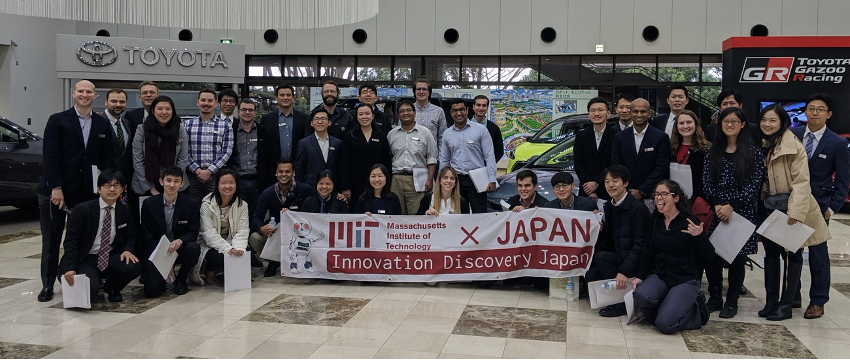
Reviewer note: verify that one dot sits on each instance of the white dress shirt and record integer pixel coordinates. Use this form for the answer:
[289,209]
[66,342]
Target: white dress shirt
[96,246]
[816,140]
[115,124]
[323,145]
[670,123]
[639,138]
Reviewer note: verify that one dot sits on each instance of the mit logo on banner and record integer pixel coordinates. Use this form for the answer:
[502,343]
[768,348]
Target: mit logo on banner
[767,69]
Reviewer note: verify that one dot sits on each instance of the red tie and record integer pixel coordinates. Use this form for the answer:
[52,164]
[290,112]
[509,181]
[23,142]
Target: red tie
[105,240]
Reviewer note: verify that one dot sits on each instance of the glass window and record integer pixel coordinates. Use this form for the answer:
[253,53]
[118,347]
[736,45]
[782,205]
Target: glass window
[712,68]
[341,68]
[642,65]
[560,68]
[678,68]
[601,69]
[407,68]
[263,95]
[264,66]
[300,66]
[374,69]
[520,69]
[442,68]
[480,69]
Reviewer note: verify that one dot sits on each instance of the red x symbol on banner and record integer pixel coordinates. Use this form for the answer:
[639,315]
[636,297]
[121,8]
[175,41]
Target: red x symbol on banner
[469,235]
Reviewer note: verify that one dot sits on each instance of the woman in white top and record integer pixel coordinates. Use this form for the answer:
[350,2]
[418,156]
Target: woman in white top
[224,224]
[446,198]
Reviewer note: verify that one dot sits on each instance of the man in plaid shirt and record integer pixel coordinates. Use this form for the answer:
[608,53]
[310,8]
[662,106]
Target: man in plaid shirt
[210,146]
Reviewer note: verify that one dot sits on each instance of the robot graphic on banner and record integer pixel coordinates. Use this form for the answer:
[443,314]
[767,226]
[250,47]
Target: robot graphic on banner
[299,246]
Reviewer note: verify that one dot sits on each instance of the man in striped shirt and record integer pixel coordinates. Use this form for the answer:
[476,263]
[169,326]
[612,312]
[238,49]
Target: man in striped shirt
[210,146]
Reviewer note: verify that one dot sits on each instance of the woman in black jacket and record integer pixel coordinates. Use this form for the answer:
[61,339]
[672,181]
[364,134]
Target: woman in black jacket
[378,199]
[667,285]
[446,197]
[362,147]
[326,201]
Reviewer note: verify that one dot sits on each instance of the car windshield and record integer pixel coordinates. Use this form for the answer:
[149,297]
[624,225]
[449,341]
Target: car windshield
[559,157]
[553,133]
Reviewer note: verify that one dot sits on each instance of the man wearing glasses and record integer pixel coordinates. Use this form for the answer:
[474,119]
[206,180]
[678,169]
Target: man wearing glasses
[468,147]
[828,155]
[247,154]
[227,100]
[563,185]
[431,116]
[339,122]
[316,152]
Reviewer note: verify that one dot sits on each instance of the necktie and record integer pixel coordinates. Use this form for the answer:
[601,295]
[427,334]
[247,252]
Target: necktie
[810,144]
[119,134]
[105,243]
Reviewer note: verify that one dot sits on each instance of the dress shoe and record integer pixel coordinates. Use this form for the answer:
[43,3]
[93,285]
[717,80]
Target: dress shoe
[703,309]
[715,303]
[45,295]
[813,311]
[614,310]
[797,304]
[272,269]
[113,295]
[181,288]
[743,290]
[729,311]
[782,312]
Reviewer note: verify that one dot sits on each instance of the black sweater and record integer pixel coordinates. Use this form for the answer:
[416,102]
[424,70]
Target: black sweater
[671,254]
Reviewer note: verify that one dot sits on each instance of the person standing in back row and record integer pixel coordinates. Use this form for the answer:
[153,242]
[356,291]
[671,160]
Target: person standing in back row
[644,150]
[431,116]
[467,146]
[210,146]
[592,150]
[285,127]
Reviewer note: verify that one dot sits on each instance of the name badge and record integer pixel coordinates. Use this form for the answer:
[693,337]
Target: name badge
[649,149]
[281,124]
[293,208]
[182,222]
[822,156]
[102,136]
[215,132]
[376,140]
[122,226]
[342,128]
[470,142]
[382,211]
[415,138]
[252,140]
[331,148]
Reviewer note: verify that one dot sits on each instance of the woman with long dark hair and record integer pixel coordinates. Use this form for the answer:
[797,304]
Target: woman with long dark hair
[731,184]
[786,188]
[326,200]
[667,284]
[377,198]
[362,147]
[224,223]
[160,142]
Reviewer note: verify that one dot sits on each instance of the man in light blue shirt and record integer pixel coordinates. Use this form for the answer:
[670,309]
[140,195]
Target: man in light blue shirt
[467,146]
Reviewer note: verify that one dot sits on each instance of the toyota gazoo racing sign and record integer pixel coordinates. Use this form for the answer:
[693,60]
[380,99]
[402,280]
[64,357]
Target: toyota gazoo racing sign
[785,69]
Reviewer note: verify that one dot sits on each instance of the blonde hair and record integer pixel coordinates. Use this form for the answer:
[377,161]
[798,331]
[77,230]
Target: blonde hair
[438,191]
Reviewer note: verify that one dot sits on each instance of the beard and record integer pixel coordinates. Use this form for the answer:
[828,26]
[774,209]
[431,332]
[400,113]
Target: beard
[329,100]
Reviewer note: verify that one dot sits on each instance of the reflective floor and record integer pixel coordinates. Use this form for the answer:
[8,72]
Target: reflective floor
[287,318]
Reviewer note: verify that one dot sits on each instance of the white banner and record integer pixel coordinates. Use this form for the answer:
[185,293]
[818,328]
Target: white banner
[493,246]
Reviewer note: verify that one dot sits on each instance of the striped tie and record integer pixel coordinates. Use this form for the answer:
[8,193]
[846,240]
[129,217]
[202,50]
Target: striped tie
[105,240]
[810,143]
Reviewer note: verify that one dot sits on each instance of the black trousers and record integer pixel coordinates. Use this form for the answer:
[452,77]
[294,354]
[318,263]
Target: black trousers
[477,201]
[215,260]
[714,274]
[605,265]
[117,272]
[187,257]
[197,189]
[52,221]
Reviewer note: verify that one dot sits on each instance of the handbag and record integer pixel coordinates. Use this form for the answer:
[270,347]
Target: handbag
[777,202]
[704,212]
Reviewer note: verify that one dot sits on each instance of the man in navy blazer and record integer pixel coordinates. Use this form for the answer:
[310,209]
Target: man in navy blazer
[828,155]
[178,218]
[285,127]
[316,152]
[100,241]
[643,150]
[74,141]
[147,92]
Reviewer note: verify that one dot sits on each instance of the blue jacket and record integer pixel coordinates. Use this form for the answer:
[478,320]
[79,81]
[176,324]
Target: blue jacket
[830,157]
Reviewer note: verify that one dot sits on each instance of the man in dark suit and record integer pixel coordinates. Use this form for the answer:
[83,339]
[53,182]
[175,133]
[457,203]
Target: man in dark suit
[123,130]
[100,241]
[147,92]
[178,218]
[248,155]
[677,99]
[316,152]
[339,122]
[74,141]
[368,94]
[527,197]
[480,108]
[563,185]
[644,151]
[285,127]
[592,150]
[829,176]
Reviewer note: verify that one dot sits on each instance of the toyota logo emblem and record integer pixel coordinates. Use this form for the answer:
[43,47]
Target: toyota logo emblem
[96,53]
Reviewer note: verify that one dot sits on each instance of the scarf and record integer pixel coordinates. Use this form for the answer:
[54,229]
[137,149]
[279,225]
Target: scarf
[155,160]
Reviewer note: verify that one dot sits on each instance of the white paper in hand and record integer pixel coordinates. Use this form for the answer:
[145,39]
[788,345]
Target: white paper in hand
[681,174]
[161,258]
[729,239]
[420,178]
[237,272]
[79,295]
[271,251]
[791,237]
[480,178]
[141,202]
[601,297]
[95,173]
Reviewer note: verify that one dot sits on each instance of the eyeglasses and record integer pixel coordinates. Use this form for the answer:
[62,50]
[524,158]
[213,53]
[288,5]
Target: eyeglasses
[816,110]
[597,110]
[561,187]
[227,101]
[407,110]
[247,110]
[112,186]
[661,195]
[320,119]
[328,91]
[731,122]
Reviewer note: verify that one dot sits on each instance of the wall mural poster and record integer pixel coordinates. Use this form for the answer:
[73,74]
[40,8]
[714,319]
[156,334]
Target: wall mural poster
[520,113]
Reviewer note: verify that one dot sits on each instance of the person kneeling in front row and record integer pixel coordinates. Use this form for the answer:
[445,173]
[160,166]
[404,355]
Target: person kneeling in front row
[224,224]
[99,241]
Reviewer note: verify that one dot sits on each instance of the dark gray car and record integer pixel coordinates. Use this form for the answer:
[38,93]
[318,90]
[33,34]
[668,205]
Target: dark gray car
[21,165]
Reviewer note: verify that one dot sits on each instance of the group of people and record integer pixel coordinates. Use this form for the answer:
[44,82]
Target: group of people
[747,168]
[212,185]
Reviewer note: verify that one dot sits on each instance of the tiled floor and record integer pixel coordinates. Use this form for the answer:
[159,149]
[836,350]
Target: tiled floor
[289,318]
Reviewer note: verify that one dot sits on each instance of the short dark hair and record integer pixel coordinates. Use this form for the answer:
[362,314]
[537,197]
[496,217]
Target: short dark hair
[175,171]
[730,92]
[208,91]
[148,82]
[426,82]
[822,97]
[331,82]
[228,92]
[360,105]
[369,191]
[320,109]
[563,177]
[408,103]
[284,86]
[479,97]
[367,86]
[617,171]
[628,97]
[525,174]
[248,101]
[109,175]
[116,91]
[285,160]
[598,100]
[457,101]
[678,87]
